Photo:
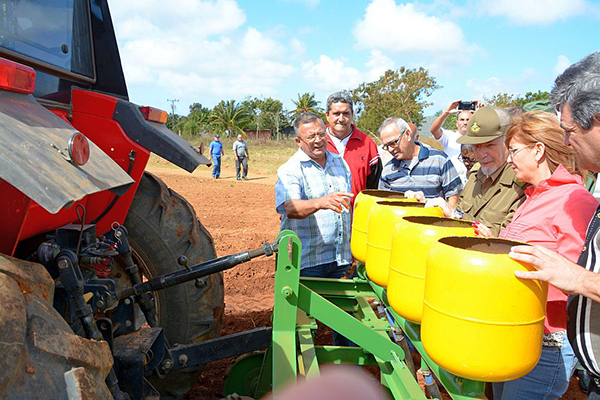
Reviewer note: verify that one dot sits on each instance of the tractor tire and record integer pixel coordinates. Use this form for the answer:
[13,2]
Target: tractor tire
[41,356]
[162,226]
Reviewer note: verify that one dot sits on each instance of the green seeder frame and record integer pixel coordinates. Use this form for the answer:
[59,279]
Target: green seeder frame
[342,305]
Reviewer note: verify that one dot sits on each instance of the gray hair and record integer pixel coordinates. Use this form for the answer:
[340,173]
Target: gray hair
[514,111]
[579,87]
[305,118]
[340,97]
[401,124]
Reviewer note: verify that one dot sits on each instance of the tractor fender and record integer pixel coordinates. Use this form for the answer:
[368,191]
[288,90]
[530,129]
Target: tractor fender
[34,156]
[157,137]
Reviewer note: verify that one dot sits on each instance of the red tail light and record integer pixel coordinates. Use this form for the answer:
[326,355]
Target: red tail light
[79,149]
[154,114]
[16,77]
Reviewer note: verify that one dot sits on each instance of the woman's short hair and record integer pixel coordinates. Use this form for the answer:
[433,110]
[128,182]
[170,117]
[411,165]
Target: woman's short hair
[543,127]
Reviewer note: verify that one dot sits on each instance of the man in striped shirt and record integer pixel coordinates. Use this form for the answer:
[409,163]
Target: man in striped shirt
[313,194]
[416,166]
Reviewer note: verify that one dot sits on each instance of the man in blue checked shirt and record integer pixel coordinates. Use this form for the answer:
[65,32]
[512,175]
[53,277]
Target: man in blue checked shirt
[416,167]
[313,194]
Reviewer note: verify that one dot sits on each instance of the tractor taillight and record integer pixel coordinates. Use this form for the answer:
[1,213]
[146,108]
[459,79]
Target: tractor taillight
[154,114]
[79,149]
[16,77]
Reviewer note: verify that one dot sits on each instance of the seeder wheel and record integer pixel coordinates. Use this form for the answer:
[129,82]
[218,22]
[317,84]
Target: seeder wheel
[243,377]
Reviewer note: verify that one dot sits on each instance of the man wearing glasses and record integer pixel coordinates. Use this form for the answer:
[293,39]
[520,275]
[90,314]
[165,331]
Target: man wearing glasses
[415,166]
[492,193]
[313,194]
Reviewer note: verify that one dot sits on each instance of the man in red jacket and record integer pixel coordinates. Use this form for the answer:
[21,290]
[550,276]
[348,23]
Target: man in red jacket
[358,149]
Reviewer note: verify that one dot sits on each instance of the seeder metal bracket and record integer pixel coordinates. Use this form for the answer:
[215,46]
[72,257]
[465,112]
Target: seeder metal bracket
[343,305]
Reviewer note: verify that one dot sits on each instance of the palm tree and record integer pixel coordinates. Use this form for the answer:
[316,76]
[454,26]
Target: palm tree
[306,103]
[230,117]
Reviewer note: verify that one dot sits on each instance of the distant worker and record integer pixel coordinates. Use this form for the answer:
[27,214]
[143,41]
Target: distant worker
[313,194]
[447,138]
[415,166]
[493,192]
[358,149]
[216,151]
[240,152]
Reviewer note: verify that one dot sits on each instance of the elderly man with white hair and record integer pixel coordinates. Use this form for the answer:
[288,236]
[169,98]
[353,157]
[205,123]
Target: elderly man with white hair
[415,166]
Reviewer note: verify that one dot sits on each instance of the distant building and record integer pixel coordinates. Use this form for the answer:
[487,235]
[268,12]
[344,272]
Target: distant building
[264,134]
[287,132]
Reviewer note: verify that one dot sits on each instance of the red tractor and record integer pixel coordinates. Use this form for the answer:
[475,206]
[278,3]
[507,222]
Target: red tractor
[83,223]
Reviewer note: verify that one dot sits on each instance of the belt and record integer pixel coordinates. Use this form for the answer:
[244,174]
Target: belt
[554,339]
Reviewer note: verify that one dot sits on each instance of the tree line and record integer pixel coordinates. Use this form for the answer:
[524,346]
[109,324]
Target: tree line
[402,93]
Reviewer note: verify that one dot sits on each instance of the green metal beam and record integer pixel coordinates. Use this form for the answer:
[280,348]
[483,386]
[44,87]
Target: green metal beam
[344,355]
[367,316]
[326,312]
[350,288]
[395,375]
[458,388]
[347,304]
[307,363]
[287,275]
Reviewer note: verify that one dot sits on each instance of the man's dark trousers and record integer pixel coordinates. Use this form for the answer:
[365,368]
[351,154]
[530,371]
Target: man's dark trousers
[244,162]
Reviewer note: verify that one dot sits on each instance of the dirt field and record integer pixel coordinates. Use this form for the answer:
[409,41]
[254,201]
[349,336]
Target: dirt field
[240,216]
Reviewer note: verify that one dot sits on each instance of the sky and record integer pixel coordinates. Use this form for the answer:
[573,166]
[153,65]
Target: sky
[204,51]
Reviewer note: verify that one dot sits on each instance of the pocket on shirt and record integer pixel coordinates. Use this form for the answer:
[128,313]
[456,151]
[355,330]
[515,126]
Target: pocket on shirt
[466,206]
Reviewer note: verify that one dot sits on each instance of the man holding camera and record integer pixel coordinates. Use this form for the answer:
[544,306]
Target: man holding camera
[448,138]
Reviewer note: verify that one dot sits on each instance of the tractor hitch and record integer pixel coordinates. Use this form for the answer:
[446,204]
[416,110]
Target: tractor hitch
[196,271]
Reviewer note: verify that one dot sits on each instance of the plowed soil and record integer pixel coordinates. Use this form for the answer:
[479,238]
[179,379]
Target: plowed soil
[241,216]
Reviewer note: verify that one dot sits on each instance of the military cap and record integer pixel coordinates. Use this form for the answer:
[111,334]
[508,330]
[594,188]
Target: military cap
[485,125]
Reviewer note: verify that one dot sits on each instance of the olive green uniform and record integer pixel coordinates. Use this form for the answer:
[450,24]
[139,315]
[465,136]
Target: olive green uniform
[492,201]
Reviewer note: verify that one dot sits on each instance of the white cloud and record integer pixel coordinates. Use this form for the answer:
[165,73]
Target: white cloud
[297,48]
[333,74]
[187,17]
[199,49]
[329,74]
[533,12]
[480,88]
[378,64]
[257,46]
[486,88]
[308,3]
[403,28]
[562,63]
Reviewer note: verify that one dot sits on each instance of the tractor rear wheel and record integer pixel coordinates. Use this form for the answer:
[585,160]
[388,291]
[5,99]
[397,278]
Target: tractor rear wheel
[162,226]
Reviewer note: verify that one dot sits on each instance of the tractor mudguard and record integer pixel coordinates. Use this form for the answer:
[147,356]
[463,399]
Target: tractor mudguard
[34,156]
[157,137]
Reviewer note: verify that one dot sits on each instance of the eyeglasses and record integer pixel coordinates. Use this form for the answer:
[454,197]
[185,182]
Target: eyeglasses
[513,152]
[313,138]
[466,159]
[393,143]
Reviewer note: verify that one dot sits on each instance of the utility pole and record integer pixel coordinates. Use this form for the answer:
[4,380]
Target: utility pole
[173,101]
[257,123]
